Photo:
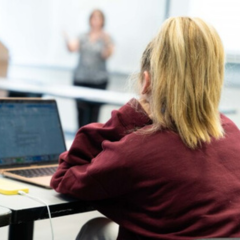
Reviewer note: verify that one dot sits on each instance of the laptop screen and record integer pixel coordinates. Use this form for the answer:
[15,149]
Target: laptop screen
[30,132]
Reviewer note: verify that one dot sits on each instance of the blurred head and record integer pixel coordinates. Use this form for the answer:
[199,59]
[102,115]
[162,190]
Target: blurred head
[97,19]
[186,67]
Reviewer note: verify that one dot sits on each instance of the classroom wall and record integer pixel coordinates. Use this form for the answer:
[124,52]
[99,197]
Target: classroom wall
[179,8]
[224,16]
[32,30]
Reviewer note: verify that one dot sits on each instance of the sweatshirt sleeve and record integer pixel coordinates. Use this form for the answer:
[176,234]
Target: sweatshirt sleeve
[90,153]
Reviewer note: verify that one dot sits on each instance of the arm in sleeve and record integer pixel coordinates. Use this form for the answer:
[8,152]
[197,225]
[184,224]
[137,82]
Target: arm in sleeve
[87,144]
[88,141]
[108,47]
[108,175]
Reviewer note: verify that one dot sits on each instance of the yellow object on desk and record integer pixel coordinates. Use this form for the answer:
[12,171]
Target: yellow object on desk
[8,187]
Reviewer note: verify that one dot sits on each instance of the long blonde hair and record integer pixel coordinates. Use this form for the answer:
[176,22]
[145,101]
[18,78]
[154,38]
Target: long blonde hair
[187,71]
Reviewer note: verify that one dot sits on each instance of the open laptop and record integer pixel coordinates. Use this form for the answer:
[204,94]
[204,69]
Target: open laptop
[31,139]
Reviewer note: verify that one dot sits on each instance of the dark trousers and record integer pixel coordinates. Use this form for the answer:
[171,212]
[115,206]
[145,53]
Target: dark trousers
[24,95]
[89,111]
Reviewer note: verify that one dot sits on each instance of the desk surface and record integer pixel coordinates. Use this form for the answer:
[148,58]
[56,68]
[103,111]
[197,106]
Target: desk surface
[24,209]
[66,91]
[73,92]
[5,216]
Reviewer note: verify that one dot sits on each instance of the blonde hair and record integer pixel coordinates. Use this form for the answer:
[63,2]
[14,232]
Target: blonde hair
[187,71]
[144,66]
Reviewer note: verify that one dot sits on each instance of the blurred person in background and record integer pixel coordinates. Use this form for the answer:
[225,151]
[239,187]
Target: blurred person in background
[94,48]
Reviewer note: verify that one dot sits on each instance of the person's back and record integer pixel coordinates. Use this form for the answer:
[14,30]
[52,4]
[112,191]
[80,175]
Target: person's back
[176,192]
[168,165]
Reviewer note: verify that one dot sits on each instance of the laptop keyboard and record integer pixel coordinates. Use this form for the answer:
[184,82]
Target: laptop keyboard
[35,172]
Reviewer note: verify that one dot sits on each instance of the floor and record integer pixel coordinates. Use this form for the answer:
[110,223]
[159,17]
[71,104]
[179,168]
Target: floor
[66,228]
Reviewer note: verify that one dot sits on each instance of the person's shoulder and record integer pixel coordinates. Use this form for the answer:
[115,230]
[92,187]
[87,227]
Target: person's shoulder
[226,122]
[106,33]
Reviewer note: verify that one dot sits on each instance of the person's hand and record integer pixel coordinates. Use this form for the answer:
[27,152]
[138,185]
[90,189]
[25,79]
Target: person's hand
[108,46]
[72,44]
[106,38]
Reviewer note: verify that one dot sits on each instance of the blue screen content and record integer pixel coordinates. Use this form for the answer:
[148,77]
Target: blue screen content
[29,133]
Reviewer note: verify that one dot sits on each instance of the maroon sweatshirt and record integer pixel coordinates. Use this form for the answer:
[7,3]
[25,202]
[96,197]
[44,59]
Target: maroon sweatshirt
[152,185]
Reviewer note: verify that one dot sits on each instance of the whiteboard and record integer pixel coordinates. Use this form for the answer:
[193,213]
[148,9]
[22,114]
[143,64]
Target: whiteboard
[224,16]
[32,30]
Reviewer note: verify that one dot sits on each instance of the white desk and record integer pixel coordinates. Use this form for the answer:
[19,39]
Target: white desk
[22,211]
[65,91]
[74,92]
[5,216]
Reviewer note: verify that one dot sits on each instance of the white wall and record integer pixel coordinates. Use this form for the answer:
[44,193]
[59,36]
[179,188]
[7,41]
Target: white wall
[224,16]
[32,30]
[179,7]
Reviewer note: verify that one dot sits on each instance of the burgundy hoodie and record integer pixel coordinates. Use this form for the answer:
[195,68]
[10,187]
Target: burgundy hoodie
[152,185]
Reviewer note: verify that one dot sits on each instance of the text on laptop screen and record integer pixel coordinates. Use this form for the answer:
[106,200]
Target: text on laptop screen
[29,132]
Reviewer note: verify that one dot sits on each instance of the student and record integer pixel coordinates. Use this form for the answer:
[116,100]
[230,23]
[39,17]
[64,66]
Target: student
[94,48]
[166,166]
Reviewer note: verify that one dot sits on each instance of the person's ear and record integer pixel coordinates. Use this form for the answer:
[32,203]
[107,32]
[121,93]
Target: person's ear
[146,82]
